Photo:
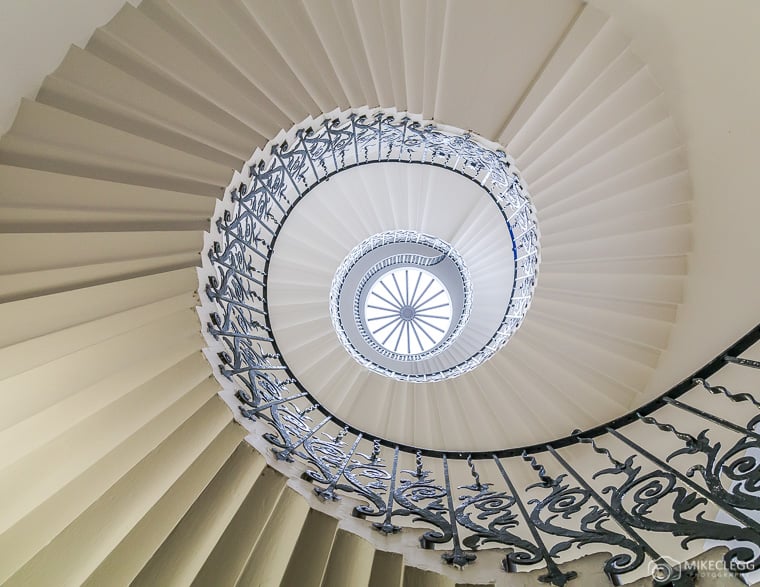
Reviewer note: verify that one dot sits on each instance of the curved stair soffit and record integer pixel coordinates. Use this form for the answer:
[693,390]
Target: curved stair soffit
[110,176]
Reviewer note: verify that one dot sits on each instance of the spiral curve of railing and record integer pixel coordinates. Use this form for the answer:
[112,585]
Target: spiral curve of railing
[671,472]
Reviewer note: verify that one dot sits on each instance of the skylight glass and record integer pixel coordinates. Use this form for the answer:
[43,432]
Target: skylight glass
[408,311]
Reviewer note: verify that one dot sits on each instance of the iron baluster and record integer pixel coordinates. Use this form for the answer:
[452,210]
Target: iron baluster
[326,125]
[554,575]
[737,515]
[318,145]
[566,500]
[331,479]
[458,557]
[243,243]
[387,526]
[376,475]
[285,455]
[744,468]
[410,495]
[301,133]
[261,223]
[352,117]
[621,563]
[257,181]
[648,490]
[288,424]
[494,521]
[261,387]
[276,150]
[405,120]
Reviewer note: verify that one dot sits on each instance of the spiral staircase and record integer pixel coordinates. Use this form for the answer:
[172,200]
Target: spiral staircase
[120,462]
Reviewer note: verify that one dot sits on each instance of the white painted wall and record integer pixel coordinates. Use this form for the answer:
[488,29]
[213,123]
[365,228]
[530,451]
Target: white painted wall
[34,37]
[705,56]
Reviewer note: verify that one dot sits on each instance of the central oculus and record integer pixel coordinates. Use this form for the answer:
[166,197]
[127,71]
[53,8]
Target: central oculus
[408,311]
[400,296]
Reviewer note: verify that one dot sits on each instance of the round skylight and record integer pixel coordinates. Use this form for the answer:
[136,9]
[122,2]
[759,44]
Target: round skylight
[399,299]
[408,311]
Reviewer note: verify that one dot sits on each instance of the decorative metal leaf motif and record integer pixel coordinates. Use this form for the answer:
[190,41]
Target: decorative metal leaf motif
[246,361]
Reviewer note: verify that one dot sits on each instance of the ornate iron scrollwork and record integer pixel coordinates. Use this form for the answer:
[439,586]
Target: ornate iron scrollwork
[672,495]
[739,464]
[636,497]
[570,512]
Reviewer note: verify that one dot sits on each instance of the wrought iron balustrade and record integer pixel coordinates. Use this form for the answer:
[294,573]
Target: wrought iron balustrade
[682,468]
[543,500]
